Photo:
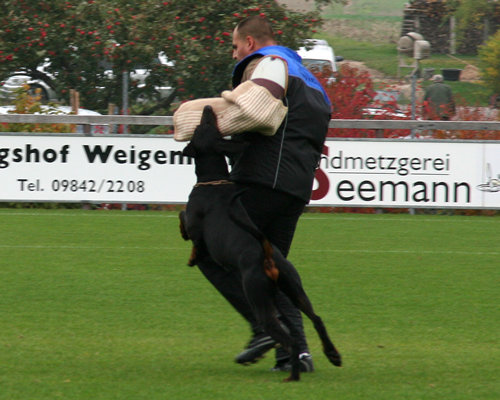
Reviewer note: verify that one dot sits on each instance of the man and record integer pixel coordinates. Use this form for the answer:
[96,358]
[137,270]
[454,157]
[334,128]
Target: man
[438,100]
[277,168]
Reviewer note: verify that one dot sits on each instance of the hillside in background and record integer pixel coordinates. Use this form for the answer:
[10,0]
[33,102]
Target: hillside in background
[365,20]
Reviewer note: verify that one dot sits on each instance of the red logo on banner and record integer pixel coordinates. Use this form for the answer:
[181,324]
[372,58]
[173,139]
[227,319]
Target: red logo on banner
[323,181]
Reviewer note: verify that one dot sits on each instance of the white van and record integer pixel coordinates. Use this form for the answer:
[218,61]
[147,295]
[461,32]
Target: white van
[319,56]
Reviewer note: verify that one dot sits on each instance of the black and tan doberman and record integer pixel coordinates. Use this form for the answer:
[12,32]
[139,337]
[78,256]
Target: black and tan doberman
[219,227]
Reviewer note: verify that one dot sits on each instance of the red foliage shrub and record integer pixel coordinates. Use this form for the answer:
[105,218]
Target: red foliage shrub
[470,113]
[353,97]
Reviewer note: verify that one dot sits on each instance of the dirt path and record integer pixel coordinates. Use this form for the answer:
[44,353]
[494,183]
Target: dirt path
[360,66]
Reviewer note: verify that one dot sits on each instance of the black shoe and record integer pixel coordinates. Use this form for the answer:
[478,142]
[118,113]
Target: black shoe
[258,346]
[306,364]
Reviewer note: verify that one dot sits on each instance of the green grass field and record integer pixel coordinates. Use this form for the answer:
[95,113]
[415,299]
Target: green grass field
[100,305]
[366,8]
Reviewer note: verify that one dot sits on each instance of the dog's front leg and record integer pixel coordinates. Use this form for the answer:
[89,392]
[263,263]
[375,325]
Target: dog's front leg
[193,258]
[182,225]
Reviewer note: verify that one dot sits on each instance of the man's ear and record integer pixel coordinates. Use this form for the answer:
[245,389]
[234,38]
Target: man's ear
[251,43]
[189,150]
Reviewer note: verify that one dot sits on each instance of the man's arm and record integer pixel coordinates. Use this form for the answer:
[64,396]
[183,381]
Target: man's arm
[254,105]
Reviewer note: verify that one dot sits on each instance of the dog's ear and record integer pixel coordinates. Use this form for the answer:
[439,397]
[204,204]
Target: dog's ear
[208,118]
[189,150]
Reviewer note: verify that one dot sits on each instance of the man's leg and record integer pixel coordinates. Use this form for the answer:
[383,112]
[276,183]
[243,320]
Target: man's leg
[276,215]
[228,283]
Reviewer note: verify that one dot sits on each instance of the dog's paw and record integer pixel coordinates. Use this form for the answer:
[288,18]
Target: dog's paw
[334,357]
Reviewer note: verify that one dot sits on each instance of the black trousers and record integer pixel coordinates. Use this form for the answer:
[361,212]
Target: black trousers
[276,215]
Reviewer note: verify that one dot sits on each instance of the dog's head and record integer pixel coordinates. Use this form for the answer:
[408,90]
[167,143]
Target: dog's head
[207,138]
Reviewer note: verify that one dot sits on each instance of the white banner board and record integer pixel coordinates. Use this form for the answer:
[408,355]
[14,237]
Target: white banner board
[151,169]
[100,168]
[409,173]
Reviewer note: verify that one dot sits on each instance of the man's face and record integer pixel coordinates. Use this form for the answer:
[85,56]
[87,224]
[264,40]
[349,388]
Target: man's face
[241,46]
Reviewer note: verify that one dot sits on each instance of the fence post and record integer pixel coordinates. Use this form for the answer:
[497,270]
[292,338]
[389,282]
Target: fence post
[125,98]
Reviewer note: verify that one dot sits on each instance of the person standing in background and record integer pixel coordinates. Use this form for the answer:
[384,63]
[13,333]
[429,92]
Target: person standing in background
[438,100]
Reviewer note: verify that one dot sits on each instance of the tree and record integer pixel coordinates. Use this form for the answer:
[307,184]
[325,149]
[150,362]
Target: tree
[89,44]
[489,54]
[473,15]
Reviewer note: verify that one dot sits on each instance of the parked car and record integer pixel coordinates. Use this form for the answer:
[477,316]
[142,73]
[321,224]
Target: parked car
[22,77]
[138,74]
[317,55]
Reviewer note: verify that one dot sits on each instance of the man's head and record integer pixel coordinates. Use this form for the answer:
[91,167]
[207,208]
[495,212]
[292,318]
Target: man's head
[250,35]
[437,78]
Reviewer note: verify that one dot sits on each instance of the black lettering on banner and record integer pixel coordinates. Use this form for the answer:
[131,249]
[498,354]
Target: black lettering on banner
[345,186]
[415,164]
[394,186]
[389,191]
[97,151]
[18,155]
[392,160]
[402,166]
[49,155]
[366,187]
[359,161]
[444,185]
[91,186]
[371,163]
[420,195]
[467,189]
[142,158]
[177,155]
[121,157]
[438,164]
[4,153]
[160,157]
[403,162]
[30,154]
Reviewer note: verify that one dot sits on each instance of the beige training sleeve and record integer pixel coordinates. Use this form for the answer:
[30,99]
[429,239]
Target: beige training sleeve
[249,107]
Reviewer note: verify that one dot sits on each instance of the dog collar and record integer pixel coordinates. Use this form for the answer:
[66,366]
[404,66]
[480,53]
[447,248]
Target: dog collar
[214,183]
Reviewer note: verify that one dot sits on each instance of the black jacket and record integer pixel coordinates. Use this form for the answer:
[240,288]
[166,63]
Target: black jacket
[287,161]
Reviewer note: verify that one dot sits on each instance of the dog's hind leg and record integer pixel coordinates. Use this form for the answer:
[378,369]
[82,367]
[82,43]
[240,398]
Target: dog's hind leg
[267,315]
[260,291]
[290,283]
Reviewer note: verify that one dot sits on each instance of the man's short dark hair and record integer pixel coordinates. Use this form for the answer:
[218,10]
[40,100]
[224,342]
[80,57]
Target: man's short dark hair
[256,26]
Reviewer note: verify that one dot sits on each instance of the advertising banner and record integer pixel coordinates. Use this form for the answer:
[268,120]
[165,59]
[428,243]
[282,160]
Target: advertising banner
[152,169]
[139,169]
[409,173]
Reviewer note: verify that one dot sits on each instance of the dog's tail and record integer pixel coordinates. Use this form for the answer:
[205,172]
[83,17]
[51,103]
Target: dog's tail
[239,216]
